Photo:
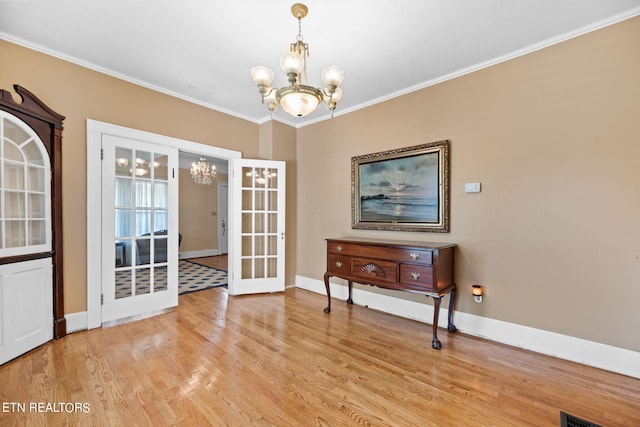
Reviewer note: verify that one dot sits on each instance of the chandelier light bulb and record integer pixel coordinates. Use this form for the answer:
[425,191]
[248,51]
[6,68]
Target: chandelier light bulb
[292,62]
[332,76]
[332,98]
[122,162]
[262,76]
[299,104]
[270,99]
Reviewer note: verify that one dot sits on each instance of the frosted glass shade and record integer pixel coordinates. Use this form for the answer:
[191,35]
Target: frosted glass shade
[292,62]
[263,76]
[332,76]
[335,98]
[270,99]
[299,104]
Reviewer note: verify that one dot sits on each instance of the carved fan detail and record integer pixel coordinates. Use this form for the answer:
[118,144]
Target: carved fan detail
[372,268]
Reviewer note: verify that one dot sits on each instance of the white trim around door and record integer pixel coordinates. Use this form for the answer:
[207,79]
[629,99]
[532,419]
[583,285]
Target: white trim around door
[95,131]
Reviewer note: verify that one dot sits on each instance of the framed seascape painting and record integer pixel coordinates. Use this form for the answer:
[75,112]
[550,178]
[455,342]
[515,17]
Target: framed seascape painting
[406,189]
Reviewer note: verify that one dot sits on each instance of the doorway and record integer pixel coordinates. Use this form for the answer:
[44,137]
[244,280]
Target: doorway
[203,210]
[203,206]
[96,132]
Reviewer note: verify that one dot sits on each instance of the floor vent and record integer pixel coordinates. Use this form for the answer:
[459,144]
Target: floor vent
[568,420]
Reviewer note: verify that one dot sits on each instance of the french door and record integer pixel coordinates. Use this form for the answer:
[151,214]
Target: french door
[257,239]
[139,227]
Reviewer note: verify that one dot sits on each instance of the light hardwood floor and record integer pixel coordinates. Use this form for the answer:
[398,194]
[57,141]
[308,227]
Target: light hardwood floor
[278,360]
[218,261]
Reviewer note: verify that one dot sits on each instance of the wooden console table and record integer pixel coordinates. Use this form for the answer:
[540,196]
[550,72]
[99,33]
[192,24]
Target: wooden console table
[425,268]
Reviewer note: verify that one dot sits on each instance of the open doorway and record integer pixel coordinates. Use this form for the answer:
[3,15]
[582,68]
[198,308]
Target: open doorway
[203,213]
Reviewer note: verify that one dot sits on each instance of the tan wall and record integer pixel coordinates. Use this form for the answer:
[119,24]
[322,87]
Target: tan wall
[198,213]
[554,138]
[278,142]
[78,94]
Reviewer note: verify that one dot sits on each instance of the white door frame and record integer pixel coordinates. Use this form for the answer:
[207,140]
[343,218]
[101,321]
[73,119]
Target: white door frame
[95,130]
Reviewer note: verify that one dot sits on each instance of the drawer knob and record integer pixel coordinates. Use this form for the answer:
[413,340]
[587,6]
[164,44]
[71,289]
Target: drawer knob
[414,255]
[338,264]
[415,275]
[339,248]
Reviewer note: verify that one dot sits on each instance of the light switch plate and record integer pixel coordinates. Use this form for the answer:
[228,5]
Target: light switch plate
[472,187]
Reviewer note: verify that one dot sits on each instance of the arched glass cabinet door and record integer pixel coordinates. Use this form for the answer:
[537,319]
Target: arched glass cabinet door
[31,262]
[25,190]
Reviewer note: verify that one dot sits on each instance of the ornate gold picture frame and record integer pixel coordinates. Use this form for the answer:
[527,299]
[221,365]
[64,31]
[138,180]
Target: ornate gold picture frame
[405,189]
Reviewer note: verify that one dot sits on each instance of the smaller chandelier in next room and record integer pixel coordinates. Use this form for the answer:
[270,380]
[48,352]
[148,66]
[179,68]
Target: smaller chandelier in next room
[202,172]
[298,99]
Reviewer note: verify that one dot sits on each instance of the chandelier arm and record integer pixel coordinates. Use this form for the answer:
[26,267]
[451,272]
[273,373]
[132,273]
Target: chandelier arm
[264,93]
[331,91]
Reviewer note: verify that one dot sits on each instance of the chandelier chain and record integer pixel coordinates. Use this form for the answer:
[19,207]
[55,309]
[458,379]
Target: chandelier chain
[299,37]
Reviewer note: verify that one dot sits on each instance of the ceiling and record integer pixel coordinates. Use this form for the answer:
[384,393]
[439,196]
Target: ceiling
[202,51]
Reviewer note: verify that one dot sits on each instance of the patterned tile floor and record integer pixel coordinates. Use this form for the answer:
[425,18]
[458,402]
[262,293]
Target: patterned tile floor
[196,277]
[192,277]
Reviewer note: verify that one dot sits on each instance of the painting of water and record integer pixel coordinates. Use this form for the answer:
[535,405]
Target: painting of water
[403,189]
[400,208]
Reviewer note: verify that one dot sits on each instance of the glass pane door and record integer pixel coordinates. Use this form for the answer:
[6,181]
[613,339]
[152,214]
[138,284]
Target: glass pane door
[258,252]
[143,239]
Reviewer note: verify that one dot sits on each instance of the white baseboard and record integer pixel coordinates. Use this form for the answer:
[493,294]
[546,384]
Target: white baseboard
[603,356]
[77,321]
[199,254]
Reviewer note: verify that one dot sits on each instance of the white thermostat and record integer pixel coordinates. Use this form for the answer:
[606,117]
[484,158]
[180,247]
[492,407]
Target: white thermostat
[472,187]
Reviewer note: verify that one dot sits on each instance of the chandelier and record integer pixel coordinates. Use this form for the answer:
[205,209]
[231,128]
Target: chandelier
[261,178]
[298,99]
[202,172]
[141,169]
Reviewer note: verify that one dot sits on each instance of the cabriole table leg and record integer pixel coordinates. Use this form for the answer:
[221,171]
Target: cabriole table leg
[452,299]
[350,299]
[327,309]
[435,342]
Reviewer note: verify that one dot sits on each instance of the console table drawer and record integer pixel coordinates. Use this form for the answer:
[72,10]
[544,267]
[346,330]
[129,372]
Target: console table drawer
[381,252]
[416,256]
[374,270]
[417,275]
[338,264]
